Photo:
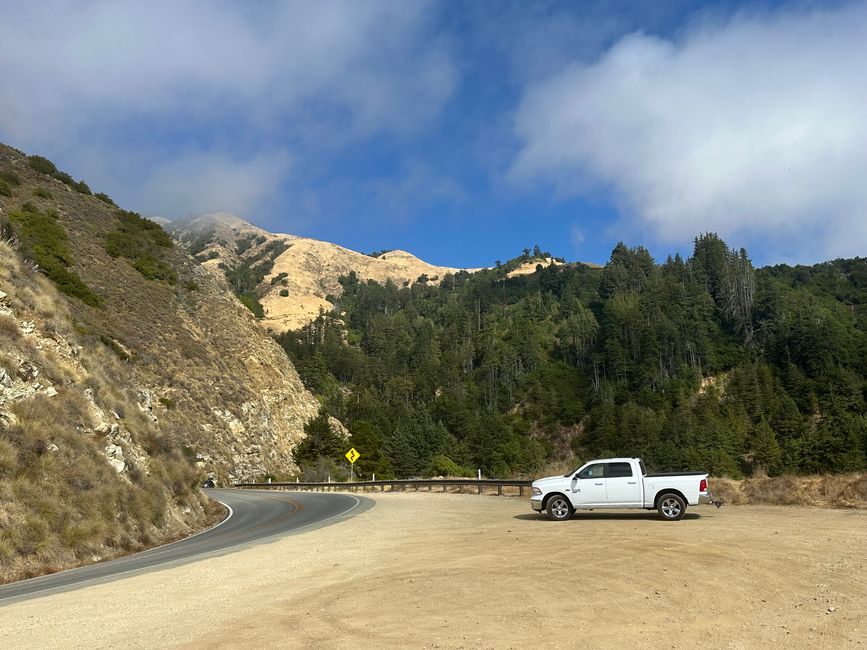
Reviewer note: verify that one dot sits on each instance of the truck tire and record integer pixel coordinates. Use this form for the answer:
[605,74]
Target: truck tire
[671,507]
[559,508]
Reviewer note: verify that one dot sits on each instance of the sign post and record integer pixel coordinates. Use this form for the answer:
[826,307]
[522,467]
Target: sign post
[352,455]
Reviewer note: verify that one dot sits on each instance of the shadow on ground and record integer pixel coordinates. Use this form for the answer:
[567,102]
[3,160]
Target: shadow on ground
[606,516]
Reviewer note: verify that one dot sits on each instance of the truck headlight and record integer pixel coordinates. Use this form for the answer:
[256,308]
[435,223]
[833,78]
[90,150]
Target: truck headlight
[536,491]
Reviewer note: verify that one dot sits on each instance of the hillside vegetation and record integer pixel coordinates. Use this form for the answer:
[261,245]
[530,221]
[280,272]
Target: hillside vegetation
[703,363]
[127,374]
[84,473]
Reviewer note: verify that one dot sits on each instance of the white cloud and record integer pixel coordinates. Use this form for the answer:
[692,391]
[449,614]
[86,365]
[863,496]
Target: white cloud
[210,182]
[755,128]
[89,82]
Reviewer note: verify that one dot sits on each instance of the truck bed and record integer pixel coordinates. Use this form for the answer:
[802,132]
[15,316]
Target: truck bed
[675,474]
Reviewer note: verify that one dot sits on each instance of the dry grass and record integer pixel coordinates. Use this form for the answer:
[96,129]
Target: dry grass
[61,503]
[9,327]
[66,503]
[825,490]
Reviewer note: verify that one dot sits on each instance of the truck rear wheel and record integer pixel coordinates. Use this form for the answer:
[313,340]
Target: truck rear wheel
[559,508]
[671,507]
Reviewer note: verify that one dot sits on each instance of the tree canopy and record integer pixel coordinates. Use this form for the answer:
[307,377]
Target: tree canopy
[703,363]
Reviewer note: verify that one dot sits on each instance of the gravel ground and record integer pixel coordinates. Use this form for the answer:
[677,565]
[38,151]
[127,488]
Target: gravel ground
[468,571]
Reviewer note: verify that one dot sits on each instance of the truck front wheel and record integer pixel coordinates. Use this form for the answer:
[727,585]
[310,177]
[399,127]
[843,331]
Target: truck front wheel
[559,508]
[671,507]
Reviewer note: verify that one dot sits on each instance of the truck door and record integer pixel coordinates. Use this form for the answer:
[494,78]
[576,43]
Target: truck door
[587,487]
[622,485]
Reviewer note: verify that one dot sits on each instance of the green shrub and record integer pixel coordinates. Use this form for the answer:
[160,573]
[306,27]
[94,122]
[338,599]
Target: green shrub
[278,278]
[444,466]
[80,187]
[284,292]
[105,198]
[243,245]
[42,165]
[142,241]
[210,255]
[5,189]
[43,193]
[10,177]
[44,241]
[115,347]
[251,302]
[191,285]
[167,402]
[45,166]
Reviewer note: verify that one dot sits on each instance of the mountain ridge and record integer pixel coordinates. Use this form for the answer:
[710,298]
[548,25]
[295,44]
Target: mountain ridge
[303,273]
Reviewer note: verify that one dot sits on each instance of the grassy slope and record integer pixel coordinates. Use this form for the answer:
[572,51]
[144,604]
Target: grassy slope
[61,502]
[163,376]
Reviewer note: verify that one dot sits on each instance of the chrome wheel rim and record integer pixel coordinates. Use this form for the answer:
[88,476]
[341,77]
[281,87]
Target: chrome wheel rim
[559,508]
[670,508]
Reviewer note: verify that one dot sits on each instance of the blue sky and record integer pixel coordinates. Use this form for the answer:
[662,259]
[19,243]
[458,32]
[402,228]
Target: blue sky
[461,131]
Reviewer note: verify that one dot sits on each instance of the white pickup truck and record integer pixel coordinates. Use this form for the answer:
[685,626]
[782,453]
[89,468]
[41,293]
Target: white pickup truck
[619,483]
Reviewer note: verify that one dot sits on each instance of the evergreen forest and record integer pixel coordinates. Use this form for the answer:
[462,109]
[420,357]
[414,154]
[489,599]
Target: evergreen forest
[702,363]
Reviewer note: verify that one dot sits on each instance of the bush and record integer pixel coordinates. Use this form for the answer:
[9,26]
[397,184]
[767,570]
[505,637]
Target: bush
[210,255]
[43,193]
[5,189]
[105,198]
[45,166]
[44,241]
[154,269]
[11,178]
[444,466]
[42,165]
[243,245]
[142,241]
[9,327]
[80,187]
[251,302]
[284,293]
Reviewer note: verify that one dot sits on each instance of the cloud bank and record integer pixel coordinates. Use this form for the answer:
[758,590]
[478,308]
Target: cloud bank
[215,82]
[755,128]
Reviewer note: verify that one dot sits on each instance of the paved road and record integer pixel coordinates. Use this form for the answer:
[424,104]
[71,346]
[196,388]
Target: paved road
[255,515]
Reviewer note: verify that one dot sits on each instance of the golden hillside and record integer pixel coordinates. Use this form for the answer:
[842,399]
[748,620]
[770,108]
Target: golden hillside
[301,272]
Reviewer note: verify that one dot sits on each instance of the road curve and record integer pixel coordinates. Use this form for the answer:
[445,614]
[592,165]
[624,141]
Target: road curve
[254,516]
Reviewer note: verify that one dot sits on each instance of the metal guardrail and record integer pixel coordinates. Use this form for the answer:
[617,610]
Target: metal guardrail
[398,485]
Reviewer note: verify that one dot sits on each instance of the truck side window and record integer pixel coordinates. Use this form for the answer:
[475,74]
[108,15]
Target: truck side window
[593,471]
[618,470]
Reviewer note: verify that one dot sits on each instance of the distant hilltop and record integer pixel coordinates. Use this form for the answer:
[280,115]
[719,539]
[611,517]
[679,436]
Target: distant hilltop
[291,277]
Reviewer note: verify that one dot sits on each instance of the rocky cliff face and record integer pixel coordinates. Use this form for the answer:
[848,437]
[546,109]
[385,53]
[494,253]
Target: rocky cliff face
[196,364]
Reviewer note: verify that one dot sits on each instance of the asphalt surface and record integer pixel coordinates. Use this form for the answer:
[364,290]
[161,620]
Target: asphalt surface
[254,516]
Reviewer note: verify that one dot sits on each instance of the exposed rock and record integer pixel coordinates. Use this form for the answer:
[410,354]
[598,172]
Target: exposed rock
[51,391]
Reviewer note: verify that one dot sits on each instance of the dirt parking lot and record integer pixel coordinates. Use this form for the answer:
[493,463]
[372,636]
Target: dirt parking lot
[468,571]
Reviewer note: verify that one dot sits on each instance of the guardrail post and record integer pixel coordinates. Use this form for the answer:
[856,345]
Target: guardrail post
[499,490]
[480,487]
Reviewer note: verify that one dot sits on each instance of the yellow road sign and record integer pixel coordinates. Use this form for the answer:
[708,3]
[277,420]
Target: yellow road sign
[352,455]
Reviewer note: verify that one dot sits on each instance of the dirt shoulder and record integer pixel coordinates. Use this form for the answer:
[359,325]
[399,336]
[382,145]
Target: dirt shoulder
[468,571]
